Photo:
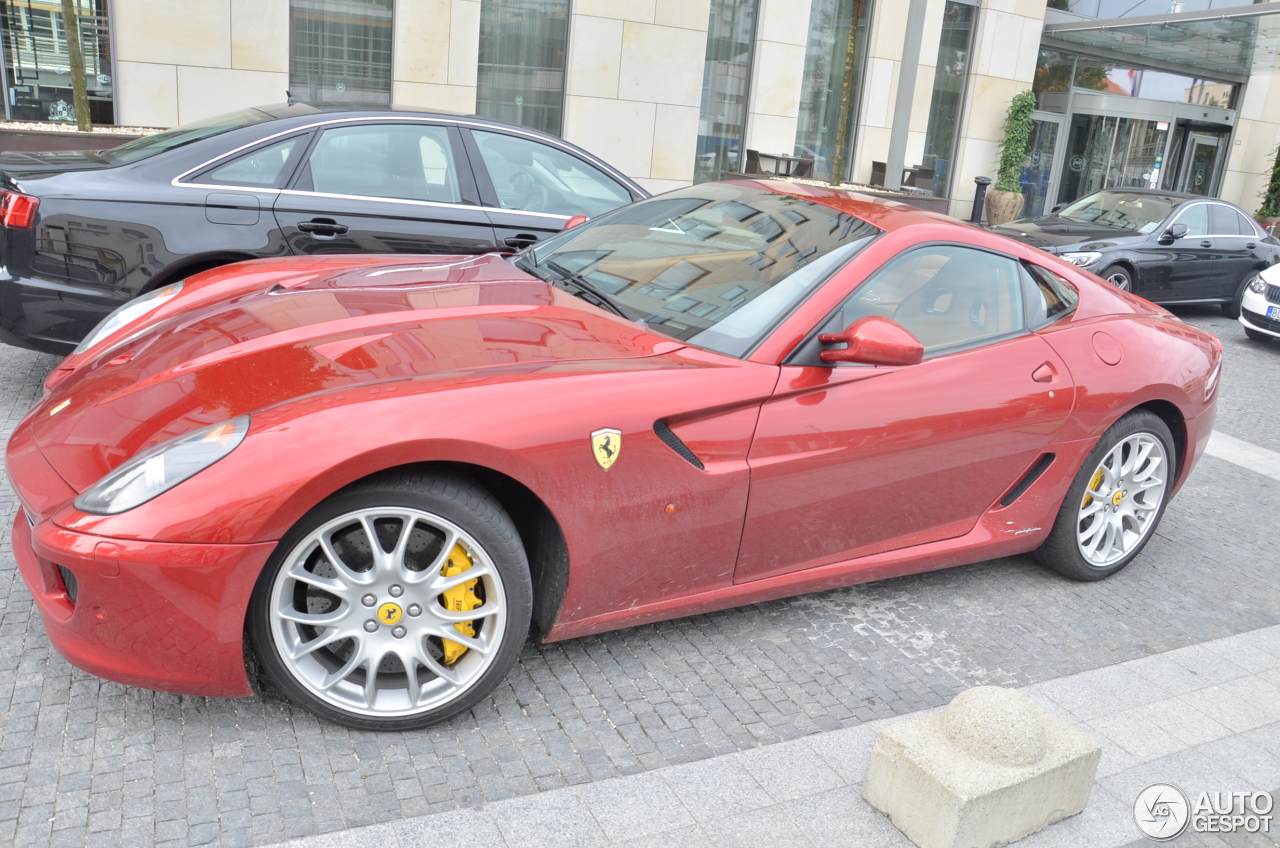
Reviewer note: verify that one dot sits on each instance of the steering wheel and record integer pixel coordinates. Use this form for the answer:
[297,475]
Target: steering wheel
[529,194]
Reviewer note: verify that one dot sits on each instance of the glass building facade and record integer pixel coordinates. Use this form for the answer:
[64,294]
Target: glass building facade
[949,79]
[726,87]
[822,90]
[37,67]
[340,51]
[522,58]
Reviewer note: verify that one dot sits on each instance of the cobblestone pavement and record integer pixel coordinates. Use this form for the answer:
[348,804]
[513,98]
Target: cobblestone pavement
[83,761]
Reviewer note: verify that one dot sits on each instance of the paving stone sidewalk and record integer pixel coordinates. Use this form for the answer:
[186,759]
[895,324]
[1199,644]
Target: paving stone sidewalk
[1203,718]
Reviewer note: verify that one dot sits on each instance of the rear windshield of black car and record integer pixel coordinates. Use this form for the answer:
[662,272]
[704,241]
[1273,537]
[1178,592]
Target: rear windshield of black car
[141,148]
[717,265]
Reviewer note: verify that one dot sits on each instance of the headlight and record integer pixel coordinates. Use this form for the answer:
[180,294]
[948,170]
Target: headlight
[161,468]
[1084,260]
[1258,285]
[128,313]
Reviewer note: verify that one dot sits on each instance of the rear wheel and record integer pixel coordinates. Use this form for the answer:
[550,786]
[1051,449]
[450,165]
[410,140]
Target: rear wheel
[396,604]
[1116,501]
[1232,308]
[1118,276]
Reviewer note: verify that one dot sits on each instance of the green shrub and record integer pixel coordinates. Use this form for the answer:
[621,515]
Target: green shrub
[1017,134]
[1271,195]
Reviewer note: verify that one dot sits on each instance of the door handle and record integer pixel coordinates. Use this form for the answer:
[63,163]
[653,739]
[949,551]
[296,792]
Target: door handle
[1251,246]
[521,241]
[323,228]
[1206,244]
[1045,374]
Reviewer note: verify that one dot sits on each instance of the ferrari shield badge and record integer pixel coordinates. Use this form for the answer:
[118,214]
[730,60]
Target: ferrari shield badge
[605,446]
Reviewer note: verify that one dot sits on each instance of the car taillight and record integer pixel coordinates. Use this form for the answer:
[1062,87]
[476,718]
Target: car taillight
[18,211]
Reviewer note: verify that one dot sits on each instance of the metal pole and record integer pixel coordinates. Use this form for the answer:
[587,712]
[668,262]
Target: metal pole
[979,196]
[896,160]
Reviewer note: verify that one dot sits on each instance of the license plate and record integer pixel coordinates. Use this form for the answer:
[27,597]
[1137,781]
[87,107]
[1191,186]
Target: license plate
[1273,311]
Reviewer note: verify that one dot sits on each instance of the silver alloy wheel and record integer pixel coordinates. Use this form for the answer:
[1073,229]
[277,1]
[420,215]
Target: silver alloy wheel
[358,615]
[1122,500]
[1119,278]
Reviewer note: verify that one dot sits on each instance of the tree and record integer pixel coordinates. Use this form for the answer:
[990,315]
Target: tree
[79,85]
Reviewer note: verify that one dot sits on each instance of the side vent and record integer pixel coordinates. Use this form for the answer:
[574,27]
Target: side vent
[672,441]
[1041,466]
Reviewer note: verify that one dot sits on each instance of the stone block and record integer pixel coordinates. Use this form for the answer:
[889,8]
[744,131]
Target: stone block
[991,768]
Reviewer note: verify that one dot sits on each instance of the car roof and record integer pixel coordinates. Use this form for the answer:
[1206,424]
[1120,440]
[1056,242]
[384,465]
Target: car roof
[882,212]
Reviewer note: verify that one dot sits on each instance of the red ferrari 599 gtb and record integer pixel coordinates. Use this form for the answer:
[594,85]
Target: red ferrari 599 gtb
[381,474]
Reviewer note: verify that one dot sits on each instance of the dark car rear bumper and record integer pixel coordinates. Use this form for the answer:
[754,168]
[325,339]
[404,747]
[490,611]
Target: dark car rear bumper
[49,316]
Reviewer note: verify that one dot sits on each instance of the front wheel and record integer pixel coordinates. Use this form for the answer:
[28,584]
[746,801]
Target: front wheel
[1118,276]
[1116,501]
[396,604]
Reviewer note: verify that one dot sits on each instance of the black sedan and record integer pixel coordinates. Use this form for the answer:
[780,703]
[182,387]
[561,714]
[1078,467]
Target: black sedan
[83,233]
[1166,247]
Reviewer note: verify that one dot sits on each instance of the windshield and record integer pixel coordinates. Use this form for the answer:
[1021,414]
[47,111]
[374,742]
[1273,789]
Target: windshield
[716,265]
[150,145]
[1140,213]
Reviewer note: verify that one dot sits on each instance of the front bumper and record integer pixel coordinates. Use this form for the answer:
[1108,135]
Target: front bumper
[1253,314]
[152,614]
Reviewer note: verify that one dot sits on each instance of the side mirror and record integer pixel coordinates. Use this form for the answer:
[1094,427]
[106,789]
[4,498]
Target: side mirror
[873,341]
[1172,234]
[575,221]
[1055,210]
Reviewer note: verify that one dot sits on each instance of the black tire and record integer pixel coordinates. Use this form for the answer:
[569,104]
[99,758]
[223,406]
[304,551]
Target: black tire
[1060,550]
[1256,336]
[457,500]
[1232,308]
[1118,276]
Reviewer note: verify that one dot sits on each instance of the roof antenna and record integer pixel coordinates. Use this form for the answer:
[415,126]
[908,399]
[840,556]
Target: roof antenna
[290,99]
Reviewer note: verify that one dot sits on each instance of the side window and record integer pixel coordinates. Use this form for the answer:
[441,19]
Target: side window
[945,295]
[1247,226]
[1050,297]
[1223,220]
[1196,218]
[262,168]
[535,177]
[402,161]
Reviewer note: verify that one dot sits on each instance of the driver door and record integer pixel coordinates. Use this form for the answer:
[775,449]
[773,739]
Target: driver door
[853,460]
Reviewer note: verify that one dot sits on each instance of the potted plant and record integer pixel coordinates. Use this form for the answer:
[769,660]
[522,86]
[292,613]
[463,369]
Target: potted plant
[1005,200]
[1269,214]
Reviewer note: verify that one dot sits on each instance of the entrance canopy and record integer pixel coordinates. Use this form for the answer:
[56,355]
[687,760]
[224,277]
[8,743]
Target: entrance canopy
[1228,43]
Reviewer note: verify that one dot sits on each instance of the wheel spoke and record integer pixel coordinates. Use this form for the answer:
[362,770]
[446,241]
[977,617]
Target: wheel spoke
[328,637]
[333,586]
[371,678]
[350,575]
[446,673]
[324,619]
[480,646]
[353,662]
[441,583]
[488,608]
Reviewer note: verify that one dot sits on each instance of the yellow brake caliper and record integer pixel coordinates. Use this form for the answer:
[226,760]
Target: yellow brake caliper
[1093,489]
[459,599]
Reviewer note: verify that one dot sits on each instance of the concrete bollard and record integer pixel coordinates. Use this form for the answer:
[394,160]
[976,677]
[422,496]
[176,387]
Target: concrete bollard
[992,767]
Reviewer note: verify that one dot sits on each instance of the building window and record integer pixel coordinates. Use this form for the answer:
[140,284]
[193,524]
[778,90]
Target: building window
[37,72]
[340,51]
[823,85]
[522,54]
[948,91]
[722,124]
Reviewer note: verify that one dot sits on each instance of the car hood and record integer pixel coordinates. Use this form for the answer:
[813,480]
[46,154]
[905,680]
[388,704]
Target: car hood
[1060,235]
[302,329]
